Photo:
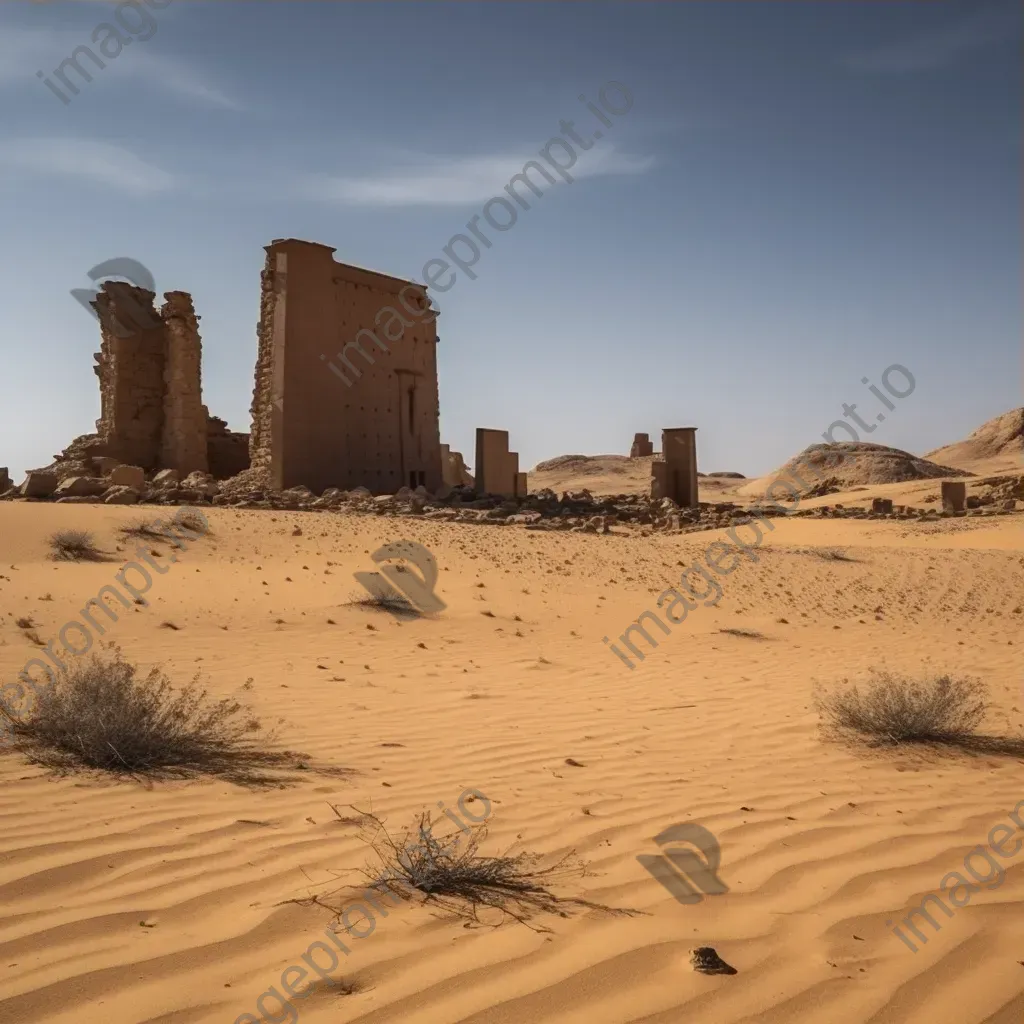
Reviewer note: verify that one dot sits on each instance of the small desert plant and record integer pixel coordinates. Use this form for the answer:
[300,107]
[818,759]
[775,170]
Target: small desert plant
[74,546]
[463,881]
[385,602]
[100,714]
[192,521]
[894,709]
[143,529]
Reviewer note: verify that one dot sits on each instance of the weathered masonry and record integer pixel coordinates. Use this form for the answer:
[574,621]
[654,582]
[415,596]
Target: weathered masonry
[346,376]
[151,404]
[676,476]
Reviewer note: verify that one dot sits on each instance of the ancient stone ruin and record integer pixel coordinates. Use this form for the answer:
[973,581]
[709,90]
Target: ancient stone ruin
[151,408]
[373,423]
[642,445]
[152,417]
[453,469]
[345,397]
[676,476]
[497,469]
[954,495]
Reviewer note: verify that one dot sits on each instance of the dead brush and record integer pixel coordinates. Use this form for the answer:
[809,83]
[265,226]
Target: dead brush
[385,602]
[99,714]
[193,522]
[450,873]
[74,546]
[895,709]
[143,529]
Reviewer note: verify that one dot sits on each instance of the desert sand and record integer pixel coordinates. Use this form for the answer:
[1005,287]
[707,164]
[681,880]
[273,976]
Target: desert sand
[166,903]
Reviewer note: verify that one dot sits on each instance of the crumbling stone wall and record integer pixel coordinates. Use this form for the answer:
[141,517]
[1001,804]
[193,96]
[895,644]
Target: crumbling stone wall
[227,450]
[130,366]
[184,442]
[151,412]
[272,310]
[641,446]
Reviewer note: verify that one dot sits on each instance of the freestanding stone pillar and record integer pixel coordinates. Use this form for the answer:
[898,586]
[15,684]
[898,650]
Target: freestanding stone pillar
[497,469]
[676,477]
[954,495]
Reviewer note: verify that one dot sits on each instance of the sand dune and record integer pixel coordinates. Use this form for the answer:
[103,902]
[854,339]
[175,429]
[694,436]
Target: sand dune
[131,904]
[996,446]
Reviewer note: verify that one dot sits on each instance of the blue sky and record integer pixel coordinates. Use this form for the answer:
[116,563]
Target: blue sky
[800,196]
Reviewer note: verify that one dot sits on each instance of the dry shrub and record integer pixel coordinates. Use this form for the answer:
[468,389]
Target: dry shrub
[450,873]
[143,529]
[749,634]
[895,709]
[386,602]
[192,521]
[74,546]
[100,714]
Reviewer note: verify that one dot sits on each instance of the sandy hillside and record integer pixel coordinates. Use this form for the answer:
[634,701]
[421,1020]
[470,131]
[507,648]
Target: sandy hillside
[996,446]
[616,474]
[849,464]
[164,904]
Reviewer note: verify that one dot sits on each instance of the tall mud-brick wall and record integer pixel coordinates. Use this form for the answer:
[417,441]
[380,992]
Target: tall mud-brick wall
[346,376]
[151,412]
[184,429]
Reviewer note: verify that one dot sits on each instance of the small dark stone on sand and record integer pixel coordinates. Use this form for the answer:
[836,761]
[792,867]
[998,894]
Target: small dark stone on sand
[706,961]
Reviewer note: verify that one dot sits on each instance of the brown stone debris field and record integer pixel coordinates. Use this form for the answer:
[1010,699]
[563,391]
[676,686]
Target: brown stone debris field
[322,722]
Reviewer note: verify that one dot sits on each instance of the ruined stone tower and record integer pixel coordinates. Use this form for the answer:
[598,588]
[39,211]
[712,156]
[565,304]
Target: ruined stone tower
[151,411]
[346,376]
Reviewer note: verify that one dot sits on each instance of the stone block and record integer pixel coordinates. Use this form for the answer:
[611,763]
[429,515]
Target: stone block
[882,505]
[39,485]
[127,476]
[202,482]
[166,478]
[104,464]
[121,496]
[954,495]
[5,480]
[522,488]
[81,487]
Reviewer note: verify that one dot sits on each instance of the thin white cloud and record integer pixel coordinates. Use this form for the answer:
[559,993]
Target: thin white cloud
[456,181]
[100,162]
[25,51]
[942,47]
[177,77]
